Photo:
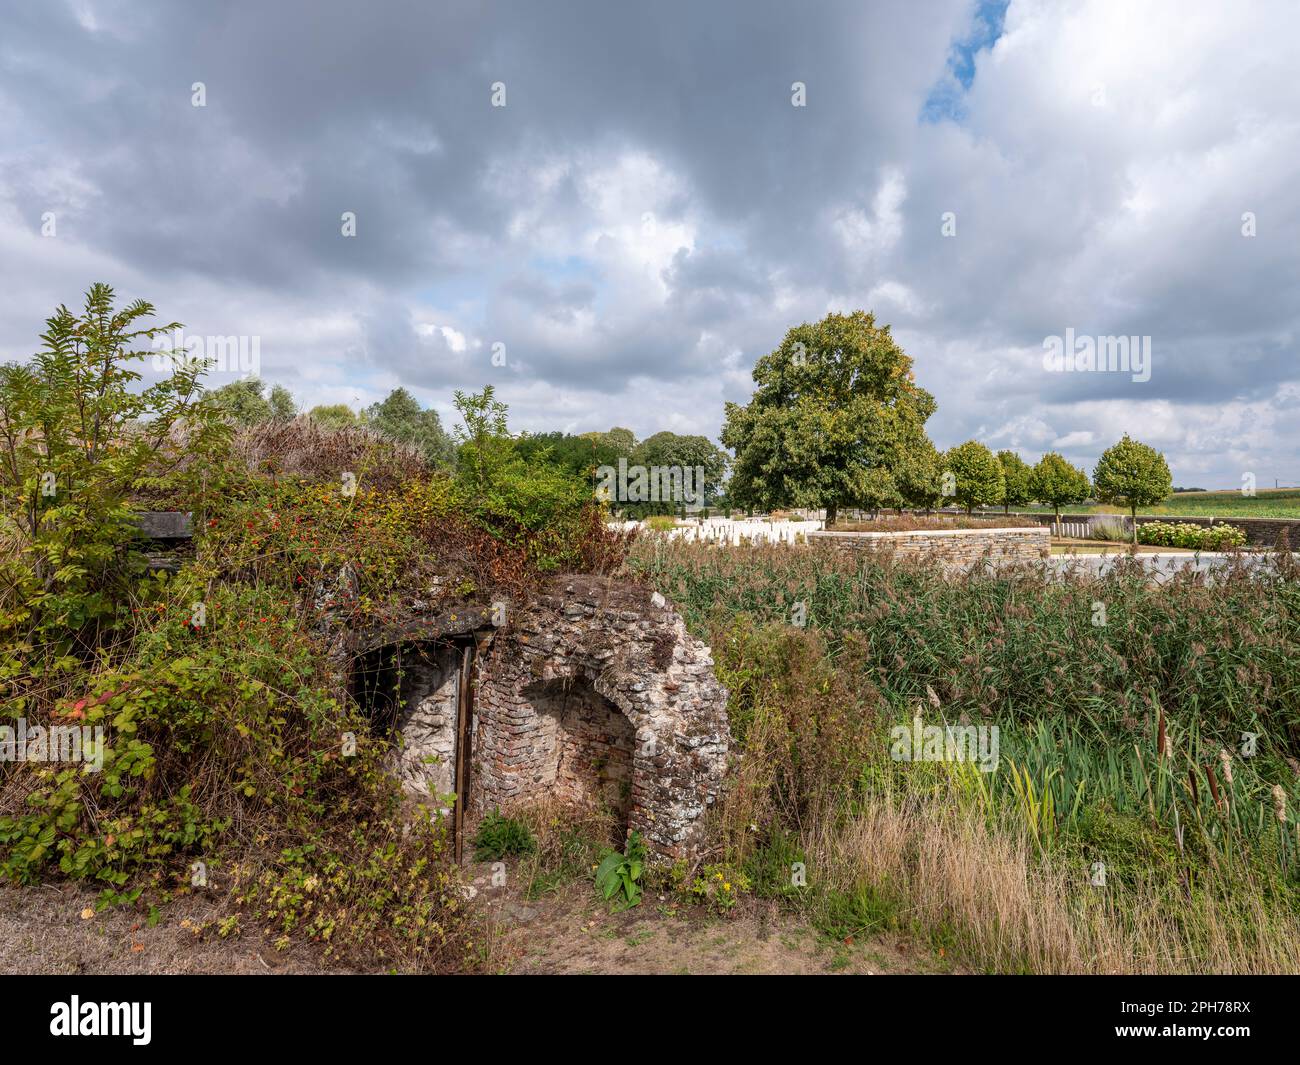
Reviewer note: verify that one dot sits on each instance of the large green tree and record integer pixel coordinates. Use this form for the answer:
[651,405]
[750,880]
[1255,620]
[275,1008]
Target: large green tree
[687,452]
[619,440]
[835,412]
[401,418]
[1056,484]
[282,404]
[920,476]
[581,455]
[1134,475]
[244,402]
[1017,480]
[977,475]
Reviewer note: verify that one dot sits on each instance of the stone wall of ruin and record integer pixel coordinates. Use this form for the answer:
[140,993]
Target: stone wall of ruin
[625,644]
[424,755]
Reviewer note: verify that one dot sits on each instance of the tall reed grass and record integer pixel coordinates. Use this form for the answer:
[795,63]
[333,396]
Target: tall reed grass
[1120,750]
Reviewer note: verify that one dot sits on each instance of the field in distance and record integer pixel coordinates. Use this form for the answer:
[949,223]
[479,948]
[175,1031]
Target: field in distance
[1266,503]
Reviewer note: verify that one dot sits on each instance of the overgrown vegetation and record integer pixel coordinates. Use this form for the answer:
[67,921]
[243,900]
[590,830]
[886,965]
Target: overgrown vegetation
[499,837]
[233,758]
[618,877]
[1121,751]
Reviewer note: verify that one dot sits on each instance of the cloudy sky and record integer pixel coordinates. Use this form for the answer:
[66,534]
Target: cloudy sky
[650,211]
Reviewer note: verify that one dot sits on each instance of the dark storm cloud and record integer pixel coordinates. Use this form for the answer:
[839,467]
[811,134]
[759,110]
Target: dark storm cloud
[650,207]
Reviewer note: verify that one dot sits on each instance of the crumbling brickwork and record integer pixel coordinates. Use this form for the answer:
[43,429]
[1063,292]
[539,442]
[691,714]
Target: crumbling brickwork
[585,744]
[591,691]
[626,645]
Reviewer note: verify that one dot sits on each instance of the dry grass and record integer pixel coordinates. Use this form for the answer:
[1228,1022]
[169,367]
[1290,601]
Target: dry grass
[303,448]
[1012,911]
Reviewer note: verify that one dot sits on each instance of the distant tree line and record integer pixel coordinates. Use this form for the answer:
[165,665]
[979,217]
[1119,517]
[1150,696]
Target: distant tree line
[837,420]
[400,418]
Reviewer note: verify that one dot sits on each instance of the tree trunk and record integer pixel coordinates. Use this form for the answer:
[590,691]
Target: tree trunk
[831,511]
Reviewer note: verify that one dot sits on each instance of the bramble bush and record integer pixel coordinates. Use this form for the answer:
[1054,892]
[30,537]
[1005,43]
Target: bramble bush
[232,744]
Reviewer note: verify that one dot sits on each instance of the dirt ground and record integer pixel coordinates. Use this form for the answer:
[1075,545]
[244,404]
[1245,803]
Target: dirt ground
[574,933]
[53,929]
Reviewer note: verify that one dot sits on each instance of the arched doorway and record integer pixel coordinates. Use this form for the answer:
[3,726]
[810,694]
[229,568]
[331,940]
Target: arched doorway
[584,747]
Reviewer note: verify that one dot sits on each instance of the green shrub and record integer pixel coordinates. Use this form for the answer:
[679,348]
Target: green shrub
[862,911]
[770,867]
[1191,536]
[500,836]
[80,439]
[720,886]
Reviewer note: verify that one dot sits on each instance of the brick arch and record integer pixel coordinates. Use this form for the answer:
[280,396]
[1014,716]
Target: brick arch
[583,747]
[630,648]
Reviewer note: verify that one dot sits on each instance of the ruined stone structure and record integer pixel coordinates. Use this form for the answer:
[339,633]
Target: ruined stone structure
[425,760]
[599,694]
[592,692]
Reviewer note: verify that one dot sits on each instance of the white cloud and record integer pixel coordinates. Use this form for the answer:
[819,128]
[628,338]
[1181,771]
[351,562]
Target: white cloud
[638,247]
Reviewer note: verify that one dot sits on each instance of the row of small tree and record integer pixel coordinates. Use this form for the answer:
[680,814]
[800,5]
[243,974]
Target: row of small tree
[1130,474]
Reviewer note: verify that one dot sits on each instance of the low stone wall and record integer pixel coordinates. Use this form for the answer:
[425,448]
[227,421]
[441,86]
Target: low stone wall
[948,545]
[1162,567]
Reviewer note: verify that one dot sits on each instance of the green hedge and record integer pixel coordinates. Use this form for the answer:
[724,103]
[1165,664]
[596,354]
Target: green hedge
[1186,534]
